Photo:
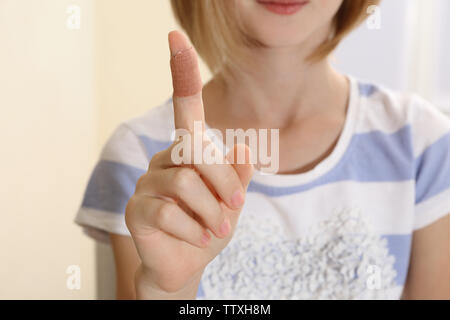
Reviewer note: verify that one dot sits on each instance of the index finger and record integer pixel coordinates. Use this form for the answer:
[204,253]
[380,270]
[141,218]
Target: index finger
[187,83]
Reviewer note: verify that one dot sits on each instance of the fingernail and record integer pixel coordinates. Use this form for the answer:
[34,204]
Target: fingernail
[225,227]
[237,200]
[205,238]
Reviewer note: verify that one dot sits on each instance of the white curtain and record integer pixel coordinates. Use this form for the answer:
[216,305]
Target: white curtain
[409,51]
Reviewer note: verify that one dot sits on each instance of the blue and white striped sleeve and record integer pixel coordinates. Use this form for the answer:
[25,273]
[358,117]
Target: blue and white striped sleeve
[112,183]
[431,139]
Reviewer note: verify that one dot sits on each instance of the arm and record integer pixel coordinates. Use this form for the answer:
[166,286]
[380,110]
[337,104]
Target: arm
[429,271]
[170,246]
[127,262]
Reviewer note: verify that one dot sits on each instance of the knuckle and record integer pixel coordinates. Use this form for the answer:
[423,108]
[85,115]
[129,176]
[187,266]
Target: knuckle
[141,182]
[156,159]
[231,182]
[183,179]
[165,214]
[230,177]
[130,211]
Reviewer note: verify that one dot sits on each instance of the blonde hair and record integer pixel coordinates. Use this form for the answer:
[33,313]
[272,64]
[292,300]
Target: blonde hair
[215,34]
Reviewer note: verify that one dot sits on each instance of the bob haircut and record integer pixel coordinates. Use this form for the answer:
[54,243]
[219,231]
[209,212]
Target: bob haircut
[214,31]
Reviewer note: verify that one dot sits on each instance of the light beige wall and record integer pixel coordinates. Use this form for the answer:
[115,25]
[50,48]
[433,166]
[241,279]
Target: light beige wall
[132,58]
[62,93]
[48,139]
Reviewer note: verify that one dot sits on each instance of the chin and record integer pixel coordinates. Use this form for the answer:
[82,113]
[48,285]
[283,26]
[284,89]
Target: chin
[279,37]
[283,30]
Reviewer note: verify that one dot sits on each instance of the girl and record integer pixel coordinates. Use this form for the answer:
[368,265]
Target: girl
[357,210]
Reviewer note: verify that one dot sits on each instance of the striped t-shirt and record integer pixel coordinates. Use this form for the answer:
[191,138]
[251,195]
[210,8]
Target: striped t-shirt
[342,230]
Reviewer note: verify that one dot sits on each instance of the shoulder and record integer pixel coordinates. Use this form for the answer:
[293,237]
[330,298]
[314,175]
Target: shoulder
[157,123]
[410,136]
[139,138]
[392,112]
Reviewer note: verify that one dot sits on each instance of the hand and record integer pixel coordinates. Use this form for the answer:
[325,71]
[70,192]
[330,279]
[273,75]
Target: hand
[182,216]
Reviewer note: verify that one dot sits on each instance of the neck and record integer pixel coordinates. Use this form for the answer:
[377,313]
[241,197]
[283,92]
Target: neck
[279,88]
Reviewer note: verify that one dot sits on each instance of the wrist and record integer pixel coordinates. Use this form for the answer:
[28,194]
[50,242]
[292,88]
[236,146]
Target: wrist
[147,289]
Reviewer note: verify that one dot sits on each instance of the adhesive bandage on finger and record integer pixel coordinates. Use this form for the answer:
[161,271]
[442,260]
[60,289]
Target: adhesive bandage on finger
[185,73]
[184,65]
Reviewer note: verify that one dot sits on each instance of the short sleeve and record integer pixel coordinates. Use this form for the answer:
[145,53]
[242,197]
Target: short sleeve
[431,142]
[123,160]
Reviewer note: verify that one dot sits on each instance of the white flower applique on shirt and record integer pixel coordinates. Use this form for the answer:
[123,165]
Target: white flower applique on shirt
[338,260]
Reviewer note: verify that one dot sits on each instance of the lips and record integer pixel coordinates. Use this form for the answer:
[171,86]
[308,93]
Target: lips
[283,7]
[282,1]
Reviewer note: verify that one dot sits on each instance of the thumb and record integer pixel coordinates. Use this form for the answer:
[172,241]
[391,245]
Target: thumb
[240,158]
